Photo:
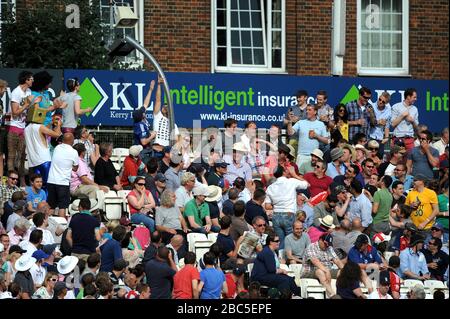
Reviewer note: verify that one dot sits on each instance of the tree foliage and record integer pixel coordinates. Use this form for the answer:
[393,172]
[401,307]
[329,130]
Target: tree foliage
[38,37]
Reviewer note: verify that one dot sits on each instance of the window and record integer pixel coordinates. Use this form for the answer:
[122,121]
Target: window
[134,58]
[249,35]
[382,37]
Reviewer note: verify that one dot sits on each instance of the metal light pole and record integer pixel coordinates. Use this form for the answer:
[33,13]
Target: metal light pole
[160,71]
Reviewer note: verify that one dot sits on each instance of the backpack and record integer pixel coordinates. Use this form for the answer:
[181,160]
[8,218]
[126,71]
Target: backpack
[142,235]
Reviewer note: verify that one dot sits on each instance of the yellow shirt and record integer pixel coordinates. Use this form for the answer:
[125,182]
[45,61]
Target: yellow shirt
[343,128]
[425,209]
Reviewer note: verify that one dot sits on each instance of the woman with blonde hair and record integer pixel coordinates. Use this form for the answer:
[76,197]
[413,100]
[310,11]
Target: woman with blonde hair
[8,267]
[46,290]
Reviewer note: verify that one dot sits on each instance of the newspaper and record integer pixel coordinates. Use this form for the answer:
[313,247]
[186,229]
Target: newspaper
[248,245]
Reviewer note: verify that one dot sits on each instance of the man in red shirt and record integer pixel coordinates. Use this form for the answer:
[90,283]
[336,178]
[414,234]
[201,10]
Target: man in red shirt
[185,281]
[318,180]
[132,166]
[234,278]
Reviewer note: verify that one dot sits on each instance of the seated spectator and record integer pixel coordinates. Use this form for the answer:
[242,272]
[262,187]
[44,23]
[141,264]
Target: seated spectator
[18,212]
[326,208]
[318,180]
[437,231]
[227,206]
[184,192]
[132,167]
[105,172]
[348,282]
[416,292]
[318,261]
[23,276]
[160,187]
[197,212]
[341,242]
[266,267]
[176,248]
[214,197]
[212,280]
[304,206]
[216,176]
[238,223]
[160,272]
[130,250]
[7,192]
[173,174]
[360,206]
[228,249]
[396,157]
[186,280]
[20,231]
[398,197]
[111,251]
[325,226]
[398,219]
[168,218]
[141,203]
[35,193]
[82,182]
[259,229]
[254,207]
[336,167]
[437,260]
[47,289]
[296,244]
[234,276]
[92,265]
[33,242]
[413,264]
[40,220]
[364,255]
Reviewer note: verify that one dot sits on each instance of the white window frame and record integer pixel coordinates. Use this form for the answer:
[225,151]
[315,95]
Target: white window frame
[371,71]
[138,8]
[267,43]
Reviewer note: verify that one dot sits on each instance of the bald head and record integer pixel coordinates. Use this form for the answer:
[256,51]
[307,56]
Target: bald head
[345,224]
[68,138]
[356,224]
[177,241]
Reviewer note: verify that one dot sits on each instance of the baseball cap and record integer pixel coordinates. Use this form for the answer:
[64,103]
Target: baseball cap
[384,279]
[160,177]
[40,254]
[49,249]
[16,249]
[437,226]
[221,163]
[327,238]
[20,204]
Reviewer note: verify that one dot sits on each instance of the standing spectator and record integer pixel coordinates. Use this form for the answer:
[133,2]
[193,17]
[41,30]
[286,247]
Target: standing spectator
[196,212]
[20,102]
[341,120]
[381,208]
[64,161]
[318,262]
[237,167]
[213,281]
[173,173]
[160,272]
[396,157]
[281,197]
[105,173]
[326,226]
[412,261]
[254,207]
[296,114]
[336,167]
[83,233]
[73,110]
[141,203]
[111,251]
[238,223]
[296,244]
[228,249]
[423,158]
[216,176]
[3,128]
[424,203]
[35,193]
[82,182]
[400,174]
[380,131]
[405,119]
[324,111]
[186,280]
[184,192]
[368,169]
[437,260]
[398,196]
[213,199]
[168,218]
[443,142]
[360,206]
[266,269]
[228,204]
[161,123]
[318,180]
[360,114]
[348,282]
[38,150]
[310,133]
[132,167]
[23,276]
[249,133]
[442,218]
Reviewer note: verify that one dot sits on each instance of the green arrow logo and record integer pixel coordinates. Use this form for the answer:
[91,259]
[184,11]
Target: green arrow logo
[93,96]
[351,95]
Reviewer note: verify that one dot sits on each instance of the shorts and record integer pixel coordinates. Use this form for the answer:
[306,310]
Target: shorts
[312,274]
[58,196]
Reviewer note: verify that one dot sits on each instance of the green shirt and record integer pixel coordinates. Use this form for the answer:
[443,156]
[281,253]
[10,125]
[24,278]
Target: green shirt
[384,198]
[443,207]
[199,212]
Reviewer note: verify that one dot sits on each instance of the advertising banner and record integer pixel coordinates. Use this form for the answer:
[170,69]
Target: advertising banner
[265,99]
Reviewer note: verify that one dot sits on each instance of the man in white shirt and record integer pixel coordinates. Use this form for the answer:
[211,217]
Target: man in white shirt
[384,284]
[40,220]
[184,192]
[65,160]
[20,102]
[405,119]
[443,142]
[282,198]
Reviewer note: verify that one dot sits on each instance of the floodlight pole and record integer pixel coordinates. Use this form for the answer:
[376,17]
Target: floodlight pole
[160,71]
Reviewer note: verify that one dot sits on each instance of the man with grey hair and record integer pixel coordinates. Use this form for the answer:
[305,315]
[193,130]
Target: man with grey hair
[356,230]
[383,114]
[168,218]
[20,231]
[341,242]
[416,292]
[184,192]
[443,142]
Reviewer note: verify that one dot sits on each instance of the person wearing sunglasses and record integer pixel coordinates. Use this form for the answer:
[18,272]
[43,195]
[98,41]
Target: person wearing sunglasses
[141,203]
[368,168]
[405,119]
[437,259]
[383,112]
[412,261]
[267,271]
[360,114]
[47,289]
[6,191]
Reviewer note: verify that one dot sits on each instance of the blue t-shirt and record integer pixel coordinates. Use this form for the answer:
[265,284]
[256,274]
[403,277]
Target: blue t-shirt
[305,144]
[34,198]
[358,257]
[420,162]
[213,280]
[110,252]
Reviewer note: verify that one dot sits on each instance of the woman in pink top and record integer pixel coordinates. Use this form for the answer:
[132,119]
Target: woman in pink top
[326,226]
[141,203]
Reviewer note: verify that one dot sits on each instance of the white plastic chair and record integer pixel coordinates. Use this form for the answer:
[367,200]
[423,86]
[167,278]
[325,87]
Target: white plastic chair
[113,205]
[123,194]
[433,285]
[201,247]
[212,237]
[194,237]
[121,153]
[117,166]
[101,200]
[312,288]
[297,270]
